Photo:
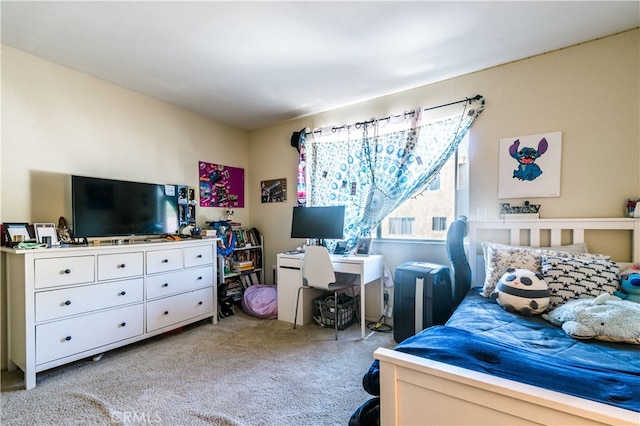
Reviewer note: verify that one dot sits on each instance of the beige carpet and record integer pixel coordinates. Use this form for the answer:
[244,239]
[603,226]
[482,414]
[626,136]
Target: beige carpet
[243,371]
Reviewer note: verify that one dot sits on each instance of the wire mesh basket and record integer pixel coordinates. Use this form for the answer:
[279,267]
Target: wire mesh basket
[325,310]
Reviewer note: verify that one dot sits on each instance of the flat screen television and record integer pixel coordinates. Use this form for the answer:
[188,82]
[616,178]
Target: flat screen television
[107,208]
[326,223]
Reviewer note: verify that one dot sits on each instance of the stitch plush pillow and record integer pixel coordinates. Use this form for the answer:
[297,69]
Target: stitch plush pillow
[570,279]
[499,257]
[605,318]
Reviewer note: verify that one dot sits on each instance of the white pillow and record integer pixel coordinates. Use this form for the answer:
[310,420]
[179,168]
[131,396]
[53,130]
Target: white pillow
[499,257]
[571,279]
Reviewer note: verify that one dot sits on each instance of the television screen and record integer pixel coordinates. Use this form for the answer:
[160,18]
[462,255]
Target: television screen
[106,207]
[325,223]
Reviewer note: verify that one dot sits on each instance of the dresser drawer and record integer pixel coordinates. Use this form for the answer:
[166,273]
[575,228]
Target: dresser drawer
[72,301]
[198,256]
[54,272]
[164,260]
[172,310]
[120,265]
[71,336]
[177,282]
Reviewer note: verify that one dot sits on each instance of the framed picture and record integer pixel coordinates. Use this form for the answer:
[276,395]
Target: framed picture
[46,230]
[341,247]
[274,190]
[530,166]
[363,247]
[17,231]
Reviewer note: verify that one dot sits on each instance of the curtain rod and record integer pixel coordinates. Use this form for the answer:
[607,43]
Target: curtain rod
[360,123]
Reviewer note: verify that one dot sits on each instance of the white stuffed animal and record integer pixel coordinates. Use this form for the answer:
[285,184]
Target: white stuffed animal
[605,318]
[520,290]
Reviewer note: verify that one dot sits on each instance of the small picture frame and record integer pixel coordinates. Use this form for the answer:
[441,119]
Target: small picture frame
[17,232]
[363,248]
[341,247]
[274,190]
[46,230]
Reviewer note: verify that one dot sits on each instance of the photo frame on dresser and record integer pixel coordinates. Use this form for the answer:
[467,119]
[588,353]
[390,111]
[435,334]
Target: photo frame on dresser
[46,230]
[16,232]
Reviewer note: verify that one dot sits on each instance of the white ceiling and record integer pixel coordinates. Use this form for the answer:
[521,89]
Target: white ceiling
[252,64]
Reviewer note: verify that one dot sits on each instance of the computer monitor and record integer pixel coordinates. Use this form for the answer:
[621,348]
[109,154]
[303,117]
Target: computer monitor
[325,223]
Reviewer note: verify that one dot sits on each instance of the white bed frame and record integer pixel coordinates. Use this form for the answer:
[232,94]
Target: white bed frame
[418,391]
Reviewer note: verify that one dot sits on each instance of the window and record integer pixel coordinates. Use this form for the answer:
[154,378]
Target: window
[427,216]
[401,225]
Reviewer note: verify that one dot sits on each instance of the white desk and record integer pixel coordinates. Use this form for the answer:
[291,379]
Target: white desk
[369,268]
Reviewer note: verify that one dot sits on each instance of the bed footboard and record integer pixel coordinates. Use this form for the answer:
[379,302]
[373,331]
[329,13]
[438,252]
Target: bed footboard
[418,391]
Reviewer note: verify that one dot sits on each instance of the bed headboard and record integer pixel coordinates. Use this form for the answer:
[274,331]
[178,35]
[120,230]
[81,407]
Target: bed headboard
[552,232]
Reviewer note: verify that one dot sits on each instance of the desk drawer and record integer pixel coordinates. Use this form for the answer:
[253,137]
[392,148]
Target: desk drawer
[68,337]
[347,267]
[287,262]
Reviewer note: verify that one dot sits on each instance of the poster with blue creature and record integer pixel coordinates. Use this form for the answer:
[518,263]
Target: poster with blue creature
[529,166]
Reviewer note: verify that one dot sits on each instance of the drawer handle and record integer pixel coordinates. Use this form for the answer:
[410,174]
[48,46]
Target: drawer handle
[166,312]
[122,293]
[67,271]
[123,324]
[67,338]
[200,303]
[199,278]
[68,302]
[165,285]
[165,260]
[199,256]
[122,265]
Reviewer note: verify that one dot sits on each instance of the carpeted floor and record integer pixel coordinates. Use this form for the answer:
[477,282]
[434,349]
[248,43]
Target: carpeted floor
[242,371]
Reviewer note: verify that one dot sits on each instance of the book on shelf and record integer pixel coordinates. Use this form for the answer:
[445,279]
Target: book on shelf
[254,278]
[246,237]
[242,266]
[246,281]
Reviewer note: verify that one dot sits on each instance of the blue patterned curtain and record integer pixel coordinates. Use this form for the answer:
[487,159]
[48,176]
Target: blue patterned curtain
[374,166]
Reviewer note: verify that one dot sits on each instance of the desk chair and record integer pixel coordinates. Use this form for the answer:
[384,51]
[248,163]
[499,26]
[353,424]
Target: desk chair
[317,272]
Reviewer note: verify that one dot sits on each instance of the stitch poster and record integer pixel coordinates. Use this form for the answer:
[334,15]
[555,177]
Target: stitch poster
[220,186]
[530,166]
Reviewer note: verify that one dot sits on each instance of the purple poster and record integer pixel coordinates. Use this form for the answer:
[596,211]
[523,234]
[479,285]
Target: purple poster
[221,186]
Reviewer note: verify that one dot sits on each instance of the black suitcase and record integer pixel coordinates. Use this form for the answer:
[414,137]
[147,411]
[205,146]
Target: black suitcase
[421,298]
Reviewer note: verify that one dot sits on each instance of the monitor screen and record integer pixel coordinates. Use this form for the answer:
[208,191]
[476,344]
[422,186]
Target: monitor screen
[325,223]
[107,207]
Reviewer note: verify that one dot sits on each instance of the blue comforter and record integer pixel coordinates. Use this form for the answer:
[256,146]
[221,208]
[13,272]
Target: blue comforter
[483,337]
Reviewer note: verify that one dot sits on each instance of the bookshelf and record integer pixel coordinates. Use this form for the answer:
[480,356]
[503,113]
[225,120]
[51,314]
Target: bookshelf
[244,266]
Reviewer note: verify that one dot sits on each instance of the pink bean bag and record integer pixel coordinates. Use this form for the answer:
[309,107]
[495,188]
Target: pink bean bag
[261,301]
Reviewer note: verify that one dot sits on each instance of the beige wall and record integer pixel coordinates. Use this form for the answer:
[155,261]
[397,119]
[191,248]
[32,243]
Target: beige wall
[57,122]
[590,92]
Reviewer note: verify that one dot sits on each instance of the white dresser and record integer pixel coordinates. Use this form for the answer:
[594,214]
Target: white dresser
[66,304]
